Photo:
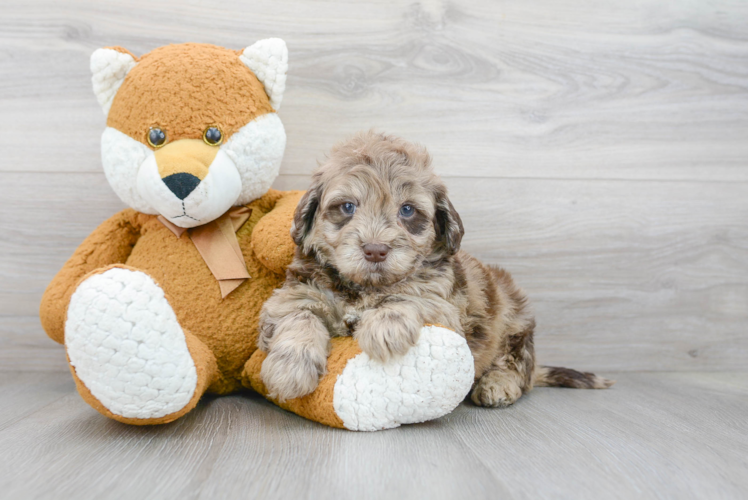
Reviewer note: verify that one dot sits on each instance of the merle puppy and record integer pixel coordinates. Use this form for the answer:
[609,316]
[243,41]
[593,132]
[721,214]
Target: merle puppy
[378,257]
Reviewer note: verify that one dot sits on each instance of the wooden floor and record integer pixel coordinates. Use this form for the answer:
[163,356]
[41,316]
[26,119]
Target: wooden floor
[653,435]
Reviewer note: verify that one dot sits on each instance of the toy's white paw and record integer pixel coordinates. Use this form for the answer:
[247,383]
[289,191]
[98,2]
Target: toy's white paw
[427,383]
[126,345]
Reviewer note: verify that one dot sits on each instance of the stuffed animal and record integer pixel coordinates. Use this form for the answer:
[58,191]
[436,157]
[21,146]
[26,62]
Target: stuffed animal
[160,303]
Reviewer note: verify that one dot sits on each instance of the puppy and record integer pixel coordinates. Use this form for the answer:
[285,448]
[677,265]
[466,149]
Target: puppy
[378,257]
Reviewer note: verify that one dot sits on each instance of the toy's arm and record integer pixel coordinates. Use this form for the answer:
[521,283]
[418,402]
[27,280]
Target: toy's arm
[110,243]
[271,237]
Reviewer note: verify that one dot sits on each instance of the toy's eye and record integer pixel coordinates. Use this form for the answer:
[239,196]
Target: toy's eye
[156,137]
[213,136]
[407,211]
[348,208]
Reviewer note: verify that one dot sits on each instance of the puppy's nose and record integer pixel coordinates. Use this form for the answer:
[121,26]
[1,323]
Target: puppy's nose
[376,252]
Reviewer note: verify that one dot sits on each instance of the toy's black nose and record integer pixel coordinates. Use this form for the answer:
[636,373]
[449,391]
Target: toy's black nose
[376,252]
[181,184]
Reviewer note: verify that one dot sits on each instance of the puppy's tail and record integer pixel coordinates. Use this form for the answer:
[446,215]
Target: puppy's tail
[552,376]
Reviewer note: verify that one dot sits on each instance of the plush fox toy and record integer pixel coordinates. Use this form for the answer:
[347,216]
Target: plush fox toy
[160,303]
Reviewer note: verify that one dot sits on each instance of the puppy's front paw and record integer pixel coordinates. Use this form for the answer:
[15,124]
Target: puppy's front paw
[384,334]
[495,390]
[290,373]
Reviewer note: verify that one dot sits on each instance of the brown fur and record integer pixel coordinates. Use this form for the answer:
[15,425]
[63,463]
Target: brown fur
[226,326]
[332,290]
[178,73]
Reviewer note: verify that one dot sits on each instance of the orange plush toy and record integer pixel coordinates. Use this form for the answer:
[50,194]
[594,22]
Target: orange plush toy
[160,303]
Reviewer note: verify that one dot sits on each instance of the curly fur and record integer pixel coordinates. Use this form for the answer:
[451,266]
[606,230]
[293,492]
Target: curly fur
[425,278]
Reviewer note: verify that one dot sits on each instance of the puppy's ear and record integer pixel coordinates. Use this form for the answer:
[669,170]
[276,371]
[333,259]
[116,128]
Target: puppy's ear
[447,223]
[303,217]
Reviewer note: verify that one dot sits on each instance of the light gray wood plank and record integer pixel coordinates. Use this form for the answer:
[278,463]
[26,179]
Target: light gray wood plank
[23,393]
[231,447]
[650,436]
[421,461]
[85,455]
[24,347]
[621,275]
[540,89]
[653,435]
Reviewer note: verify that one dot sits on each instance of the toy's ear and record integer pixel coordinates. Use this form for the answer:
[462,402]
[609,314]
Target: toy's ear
[109,67]
[268,60]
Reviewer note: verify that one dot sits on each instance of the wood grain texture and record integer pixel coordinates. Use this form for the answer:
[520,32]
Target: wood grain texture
[645,90]
[24,393]
[653,436]
[677,435]
[596,150]
[24,347]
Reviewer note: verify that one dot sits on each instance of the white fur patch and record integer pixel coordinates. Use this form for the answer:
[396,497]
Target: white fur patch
[268,60]
[257,150]
[122,156]
[427,383]
[127,347]
[109,68]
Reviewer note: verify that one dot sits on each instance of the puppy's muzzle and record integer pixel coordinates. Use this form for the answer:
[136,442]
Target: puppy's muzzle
[376,252]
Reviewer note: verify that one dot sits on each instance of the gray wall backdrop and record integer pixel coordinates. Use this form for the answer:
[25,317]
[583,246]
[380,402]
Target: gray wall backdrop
[596,149]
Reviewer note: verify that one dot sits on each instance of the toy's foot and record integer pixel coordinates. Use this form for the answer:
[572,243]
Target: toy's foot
[130,357]
[361,394]
[426,383]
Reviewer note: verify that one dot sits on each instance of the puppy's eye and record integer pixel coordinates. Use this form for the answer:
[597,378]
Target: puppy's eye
[156,137]
[348,208]
[213,136]
[407,211]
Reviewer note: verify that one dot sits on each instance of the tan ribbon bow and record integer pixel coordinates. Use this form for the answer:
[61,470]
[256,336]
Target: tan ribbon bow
[216,241]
